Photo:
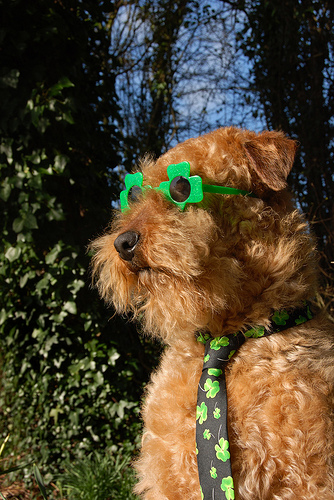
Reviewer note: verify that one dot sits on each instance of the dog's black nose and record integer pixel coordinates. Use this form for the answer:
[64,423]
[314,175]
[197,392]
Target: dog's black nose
[126,243]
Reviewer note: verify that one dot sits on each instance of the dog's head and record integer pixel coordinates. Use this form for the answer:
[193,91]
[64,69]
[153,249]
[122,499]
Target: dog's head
[185,254]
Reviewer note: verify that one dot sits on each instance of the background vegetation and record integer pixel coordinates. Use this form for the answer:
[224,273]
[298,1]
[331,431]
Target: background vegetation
[87,87]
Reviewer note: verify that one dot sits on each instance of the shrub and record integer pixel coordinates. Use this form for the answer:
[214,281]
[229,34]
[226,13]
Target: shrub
[70,379]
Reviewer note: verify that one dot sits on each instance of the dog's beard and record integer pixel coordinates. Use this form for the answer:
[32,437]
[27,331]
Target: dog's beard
[166,304]
[171,305]
[175,305]
[170,302]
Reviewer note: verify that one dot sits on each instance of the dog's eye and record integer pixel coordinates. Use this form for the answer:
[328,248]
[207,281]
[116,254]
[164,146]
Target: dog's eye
[180,189]
[135,193]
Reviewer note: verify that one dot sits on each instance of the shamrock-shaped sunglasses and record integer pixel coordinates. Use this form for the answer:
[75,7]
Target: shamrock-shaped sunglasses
[180,189]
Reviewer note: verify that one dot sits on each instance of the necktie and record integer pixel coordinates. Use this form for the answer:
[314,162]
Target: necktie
[212,443]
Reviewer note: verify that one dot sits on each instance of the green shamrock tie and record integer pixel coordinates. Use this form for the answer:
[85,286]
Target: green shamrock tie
[212,443]
[213,457]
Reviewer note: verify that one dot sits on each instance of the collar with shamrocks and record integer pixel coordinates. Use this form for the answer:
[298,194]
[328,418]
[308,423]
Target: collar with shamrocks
[177,171]
[280,321]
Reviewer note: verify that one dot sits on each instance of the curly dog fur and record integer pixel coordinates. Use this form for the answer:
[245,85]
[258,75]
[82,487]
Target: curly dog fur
[222,265]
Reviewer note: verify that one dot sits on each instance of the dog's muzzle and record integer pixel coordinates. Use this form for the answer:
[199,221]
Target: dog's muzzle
[126,243]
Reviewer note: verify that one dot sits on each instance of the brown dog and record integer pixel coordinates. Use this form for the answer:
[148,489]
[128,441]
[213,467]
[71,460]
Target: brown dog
[224,264]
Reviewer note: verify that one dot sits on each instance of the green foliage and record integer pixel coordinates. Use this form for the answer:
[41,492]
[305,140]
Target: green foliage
[94,477]
[98,477]
[67,375]
[40,482]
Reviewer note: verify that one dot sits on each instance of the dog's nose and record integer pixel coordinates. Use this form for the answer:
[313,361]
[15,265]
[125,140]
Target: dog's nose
[126,243]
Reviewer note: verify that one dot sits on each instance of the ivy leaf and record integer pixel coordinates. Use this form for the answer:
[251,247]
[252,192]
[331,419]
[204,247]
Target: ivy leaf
[13,253]
[60,163]
[53,254]
[63,83]
[5,190]
[70,307]
[18,225]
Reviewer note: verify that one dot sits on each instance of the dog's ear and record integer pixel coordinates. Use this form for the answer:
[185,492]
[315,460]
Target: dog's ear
[271,155]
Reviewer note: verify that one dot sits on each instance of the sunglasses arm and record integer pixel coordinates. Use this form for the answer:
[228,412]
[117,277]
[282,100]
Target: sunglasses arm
[209,188]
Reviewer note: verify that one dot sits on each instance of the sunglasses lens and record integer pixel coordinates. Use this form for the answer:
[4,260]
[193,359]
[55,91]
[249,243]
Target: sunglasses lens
[180,189]
[135,194]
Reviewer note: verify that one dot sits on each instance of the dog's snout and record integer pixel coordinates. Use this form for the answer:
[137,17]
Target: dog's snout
[126,243]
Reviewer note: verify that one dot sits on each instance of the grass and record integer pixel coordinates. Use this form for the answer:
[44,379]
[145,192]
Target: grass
[98,477]
[95,477]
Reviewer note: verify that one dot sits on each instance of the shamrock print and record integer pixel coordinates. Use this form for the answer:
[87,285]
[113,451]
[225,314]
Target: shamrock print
[222,452]
[216,413]
[228,487]
[212,388]
[206,358]
[203,337]
[219,342]
[309,313]
[300,320]
[216,372]
[231,354]
[207,434]
[280,317]
[255,333]
[201,413]
[213,472]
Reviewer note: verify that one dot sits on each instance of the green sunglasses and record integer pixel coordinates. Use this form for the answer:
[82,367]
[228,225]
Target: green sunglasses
[180,189]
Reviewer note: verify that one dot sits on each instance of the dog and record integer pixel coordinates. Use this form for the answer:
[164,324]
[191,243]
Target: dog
[182,259]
